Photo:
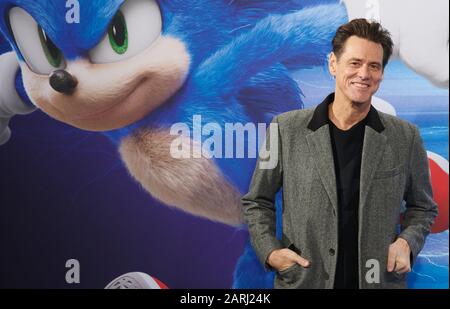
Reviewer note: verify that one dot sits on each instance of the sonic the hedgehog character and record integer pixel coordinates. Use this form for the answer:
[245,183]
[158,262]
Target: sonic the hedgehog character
[133,68]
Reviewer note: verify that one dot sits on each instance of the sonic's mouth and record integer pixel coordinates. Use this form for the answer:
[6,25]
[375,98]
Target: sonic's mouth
[123,100]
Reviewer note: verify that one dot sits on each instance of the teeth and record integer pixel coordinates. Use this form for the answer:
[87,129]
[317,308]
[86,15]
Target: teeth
[359,85]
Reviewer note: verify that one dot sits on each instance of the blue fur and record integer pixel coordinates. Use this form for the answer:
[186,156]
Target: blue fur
[241,53]
[249,273]
[74,40]
[4,46]
[21,89]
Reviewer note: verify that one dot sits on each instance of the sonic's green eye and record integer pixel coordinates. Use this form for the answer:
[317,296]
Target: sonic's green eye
[133,29]
[118,34]
[53,54]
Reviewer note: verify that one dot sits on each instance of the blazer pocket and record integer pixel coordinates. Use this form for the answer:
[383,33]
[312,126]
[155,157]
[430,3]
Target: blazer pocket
[287,243]
[290,277]
[289,269]
[388,173]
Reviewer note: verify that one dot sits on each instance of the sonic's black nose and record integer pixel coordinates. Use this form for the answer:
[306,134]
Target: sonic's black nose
[62,81]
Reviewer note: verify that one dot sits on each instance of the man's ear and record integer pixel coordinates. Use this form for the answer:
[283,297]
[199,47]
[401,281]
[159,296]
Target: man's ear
[332,62]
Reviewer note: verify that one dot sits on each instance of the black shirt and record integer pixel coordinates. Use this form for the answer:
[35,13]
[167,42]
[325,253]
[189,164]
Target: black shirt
[347,259]
[347,152]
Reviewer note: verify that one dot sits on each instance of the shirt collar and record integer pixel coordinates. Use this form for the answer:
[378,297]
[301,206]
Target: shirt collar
[320,116]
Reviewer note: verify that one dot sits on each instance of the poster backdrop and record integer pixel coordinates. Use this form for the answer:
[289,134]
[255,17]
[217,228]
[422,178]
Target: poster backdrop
[68,194]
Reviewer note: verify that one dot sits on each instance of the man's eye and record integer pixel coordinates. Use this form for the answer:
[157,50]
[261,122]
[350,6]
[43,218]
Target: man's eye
[375,67]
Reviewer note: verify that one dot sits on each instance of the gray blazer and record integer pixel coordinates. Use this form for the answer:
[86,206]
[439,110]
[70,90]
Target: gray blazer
[394,174]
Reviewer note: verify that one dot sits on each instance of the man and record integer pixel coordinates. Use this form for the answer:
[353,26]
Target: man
[345,169]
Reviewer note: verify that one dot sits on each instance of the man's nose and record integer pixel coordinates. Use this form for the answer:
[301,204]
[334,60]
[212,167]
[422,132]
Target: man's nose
[364,72]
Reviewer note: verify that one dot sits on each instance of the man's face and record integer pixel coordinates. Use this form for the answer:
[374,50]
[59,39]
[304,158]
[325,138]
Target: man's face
[359,70]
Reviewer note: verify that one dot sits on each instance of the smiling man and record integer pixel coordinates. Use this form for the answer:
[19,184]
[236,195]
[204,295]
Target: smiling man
[346,169]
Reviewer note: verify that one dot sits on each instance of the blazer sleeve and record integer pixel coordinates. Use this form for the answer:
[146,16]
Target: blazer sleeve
[421,210]
[259,203]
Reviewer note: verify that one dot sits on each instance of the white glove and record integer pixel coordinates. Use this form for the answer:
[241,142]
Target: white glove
[419,30]
[10,102]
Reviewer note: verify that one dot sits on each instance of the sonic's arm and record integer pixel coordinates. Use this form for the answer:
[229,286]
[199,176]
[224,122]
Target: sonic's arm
[305,34]
[10,102]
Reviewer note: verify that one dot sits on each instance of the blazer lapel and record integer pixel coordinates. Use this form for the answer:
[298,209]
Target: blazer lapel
[373,150]
[319,143]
